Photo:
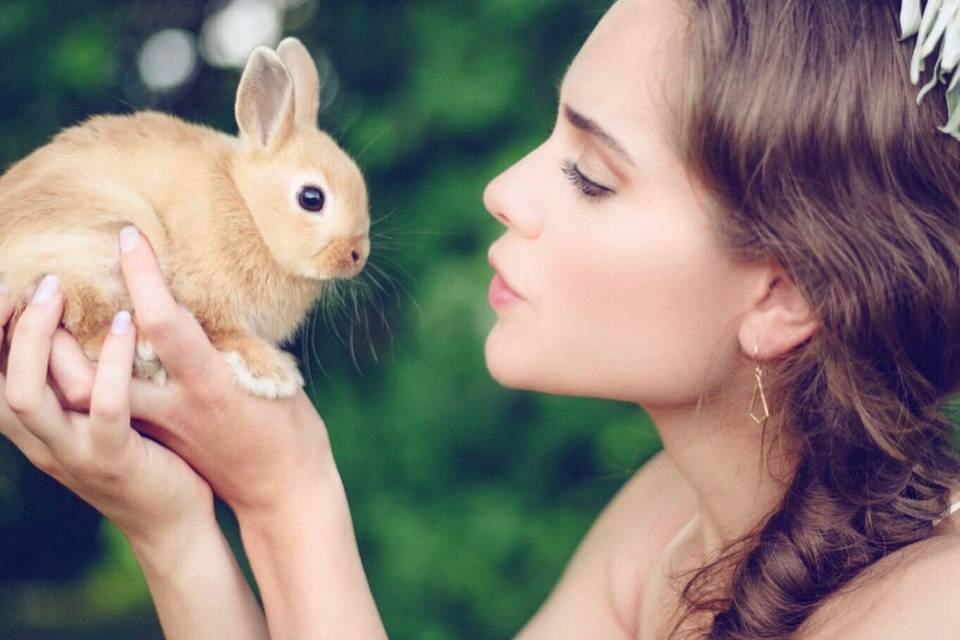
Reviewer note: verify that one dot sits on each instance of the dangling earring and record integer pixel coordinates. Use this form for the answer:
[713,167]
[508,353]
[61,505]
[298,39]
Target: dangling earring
[758,391]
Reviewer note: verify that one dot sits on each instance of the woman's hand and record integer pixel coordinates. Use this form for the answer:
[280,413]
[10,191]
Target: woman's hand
[269,459]
[143,488]
[160,504]
[259,455]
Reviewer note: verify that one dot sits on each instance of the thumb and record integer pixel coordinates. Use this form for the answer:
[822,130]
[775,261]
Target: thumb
[174,333]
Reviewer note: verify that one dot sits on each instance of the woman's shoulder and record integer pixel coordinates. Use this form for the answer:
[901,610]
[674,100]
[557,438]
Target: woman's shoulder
[636,527]
[911,593]
[601,588]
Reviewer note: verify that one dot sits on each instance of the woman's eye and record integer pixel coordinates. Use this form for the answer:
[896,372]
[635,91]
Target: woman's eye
[311,198]
[585,185]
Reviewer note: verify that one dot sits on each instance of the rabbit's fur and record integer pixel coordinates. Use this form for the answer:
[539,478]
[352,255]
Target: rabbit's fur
[221,213]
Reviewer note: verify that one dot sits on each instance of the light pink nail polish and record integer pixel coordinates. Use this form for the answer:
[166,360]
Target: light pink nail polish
[129,238]
[48,287]
[121,324]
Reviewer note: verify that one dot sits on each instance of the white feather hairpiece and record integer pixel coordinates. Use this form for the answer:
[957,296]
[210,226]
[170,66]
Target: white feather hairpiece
[937,24]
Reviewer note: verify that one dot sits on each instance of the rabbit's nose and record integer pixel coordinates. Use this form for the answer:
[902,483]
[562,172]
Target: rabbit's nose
[346,257]
[359,250]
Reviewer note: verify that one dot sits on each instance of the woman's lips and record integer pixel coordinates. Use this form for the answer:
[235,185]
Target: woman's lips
[500,294]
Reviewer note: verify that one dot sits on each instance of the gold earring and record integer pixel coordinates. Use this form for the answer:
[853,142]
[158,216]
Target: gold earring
[758,391]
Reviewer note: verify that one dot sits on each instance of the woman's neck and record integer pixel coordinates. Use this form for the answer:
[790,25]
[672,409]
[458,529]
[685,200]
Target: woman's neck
[739,469]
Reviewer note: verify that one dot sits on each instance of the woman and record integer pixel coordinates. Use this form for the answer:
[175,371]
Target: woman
[743,223]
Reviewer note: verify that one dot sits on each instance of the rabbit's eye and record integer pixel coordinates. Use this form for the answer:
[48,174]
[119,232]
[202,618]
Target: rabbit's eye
[311,198]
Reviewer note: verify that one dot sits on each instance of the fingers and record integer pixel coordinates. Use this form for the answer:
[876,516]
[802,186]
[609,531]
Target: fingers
[110,398]
[10,426]
[172,438]
[71,371]
[177,337]
[72,374]
[72,377]
[33,448]
[27,392]
[155,403]
[49,371]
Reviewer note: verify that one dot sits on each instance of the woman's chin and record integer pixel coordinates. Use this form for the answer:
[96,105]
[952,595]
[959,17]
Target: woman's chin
[522,364]
[506,361]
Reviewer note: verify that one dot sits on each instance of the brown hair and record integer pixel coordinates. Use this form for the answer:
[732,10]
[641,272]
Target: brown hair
[799,120]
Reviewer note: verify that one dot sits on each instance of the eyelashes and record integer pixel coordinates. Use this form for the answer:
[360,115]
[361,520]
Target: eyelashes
[584,185]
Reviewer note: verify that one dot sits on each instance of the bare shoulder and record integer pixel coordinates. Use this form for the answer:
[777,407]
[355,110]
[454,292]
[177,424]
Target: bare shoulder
[912,593]
[600,590]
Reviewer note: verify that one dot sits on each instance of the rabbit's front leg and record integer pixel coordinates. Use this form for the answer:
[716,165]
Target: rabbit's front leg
[258,366]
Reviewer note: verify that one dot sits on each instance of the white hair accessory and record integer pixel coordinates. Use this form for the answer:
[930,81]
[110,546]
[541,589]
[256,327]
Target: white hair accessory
[937,24]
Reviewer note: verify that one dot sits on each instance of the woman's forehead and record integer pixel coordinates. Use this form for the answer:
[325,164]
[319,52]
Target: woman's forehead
[618,75]
[637,29]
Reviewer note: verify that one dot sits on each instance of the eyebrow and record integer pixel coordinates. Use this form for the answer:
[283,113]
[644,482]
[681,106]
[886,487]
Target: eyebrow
[587,125]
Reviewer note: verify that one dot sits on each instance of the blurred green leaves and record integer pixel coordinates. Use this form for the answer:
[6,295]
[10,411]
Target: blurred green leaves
[84,59]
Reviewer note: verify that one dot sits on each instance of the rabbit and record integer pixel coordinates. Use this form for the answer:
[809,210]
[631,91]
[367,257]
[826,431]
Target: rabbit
[248,230]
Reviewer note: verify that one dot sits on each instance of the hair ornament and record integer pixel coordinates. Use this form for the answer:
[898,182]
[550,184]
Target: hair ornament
[938,25]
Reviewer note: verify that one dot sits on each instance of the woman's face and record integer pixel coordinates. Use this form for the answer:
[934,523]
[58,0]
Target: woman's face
[624,292]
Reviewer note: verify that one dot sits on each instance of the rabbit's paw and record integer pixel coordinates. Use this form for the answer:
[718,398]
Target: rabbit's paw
[265,372]
[147,365]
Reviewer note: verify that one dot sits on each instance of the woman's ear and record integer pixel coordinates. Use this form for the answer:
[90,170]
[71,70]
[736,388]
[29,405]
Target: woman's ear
[779,317]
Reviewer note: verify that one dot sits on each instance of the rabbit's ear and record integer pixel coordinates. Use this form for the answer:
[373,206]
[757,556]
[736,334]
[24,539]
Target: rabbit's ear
[265,100]
[306,80]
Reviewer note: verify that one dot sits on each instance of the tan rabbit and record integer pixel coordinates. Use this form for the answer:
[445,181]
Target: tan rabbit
[247,229]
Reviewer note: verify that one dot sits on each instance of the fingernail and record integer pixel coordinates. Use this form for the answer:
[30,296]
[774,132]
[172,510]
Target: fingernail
[129,238]
[121,324]
[48,287]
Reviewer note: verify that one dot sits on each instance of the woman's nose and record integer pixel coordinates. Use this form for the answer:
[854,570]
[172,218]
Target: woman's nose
[512,198]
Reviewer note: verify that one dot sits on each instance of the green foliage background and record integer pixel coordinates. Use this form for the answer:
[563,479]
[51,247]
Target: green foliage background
[467,498]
